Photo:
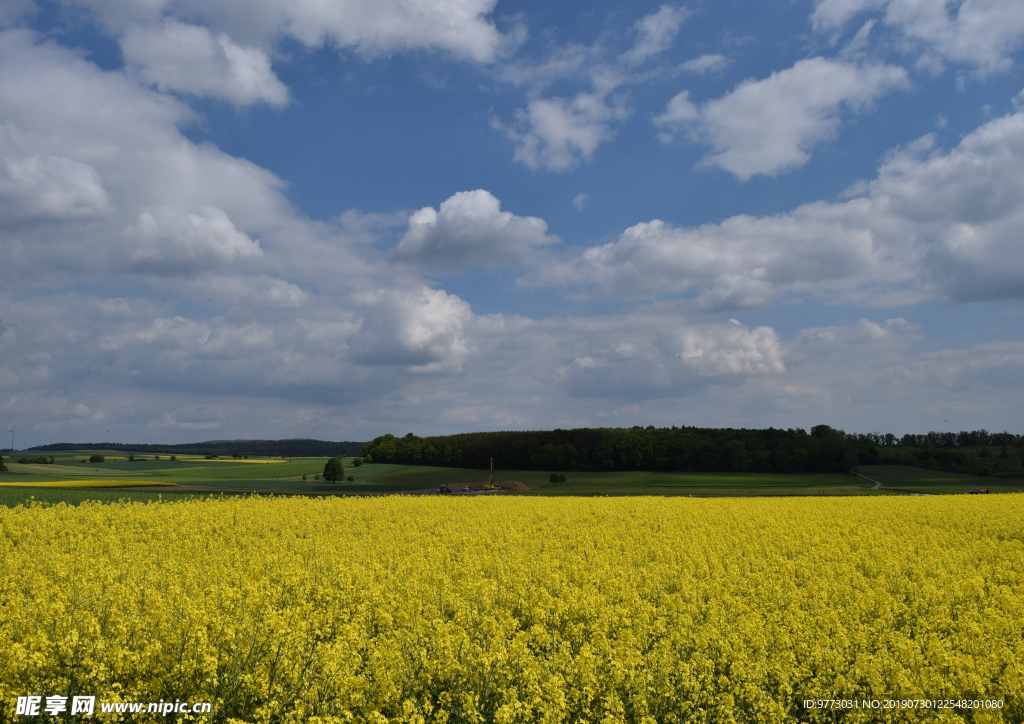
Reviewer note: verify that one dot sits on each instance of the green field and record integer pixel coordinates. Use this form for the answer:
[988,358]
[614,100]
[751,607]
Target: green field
[195,476]
[936,482]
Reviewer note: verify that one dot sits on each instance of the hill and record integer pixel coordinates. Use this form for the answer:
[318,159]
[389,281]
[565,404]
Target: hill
[297,447]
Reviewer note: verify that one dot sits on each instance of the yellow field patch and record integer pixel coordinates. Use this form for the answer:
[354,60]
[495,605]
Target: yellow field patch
[201,459]
[496,610]
[57,469]
[90,484]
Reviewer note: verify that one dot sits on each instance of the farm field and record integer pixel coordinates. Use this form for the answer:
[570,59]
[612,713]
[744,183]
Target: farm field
[276,475]
[507,609]
[936,482]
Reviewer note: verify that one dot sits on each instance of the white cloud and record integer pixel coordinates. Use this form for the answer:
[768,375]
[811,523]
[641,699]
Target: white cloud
[370,27]
[420,329]
[580,201]
[190,59]
[655,33]
[769,126]
[708,63]
[312,325]
[50,188]
[659,353]
[983,33]
[169,241]
[743,262]
[558,134]
[932,223]
[470,229]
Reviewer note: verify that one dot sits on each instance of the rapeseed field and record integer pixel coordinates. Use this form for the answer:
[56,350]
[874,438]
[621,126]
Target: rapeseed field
[520,610]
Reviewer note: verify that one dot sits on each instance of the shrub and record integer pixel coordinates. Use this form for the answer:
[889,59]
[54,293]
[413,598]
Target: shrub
[97,459]
[131,458]
[356,462]
[351,478]
[174,457]
[303,476]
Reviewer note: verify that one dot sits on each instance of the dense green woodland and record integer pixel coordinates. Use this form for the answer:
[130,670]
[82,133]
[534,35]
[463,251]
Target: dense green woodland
[823,449]
[266,448]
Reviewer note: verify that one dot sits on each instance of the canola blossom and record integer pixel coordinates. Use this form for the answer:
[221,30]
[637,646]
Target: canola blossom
[568,610]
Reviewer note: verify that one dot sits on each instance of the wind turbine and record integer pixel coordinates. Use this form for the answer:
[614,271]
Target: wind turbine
[12,438]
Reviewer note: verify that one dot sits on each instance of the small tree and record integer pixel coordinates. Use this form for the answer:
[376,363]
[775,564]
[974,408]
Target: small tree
[3,468]
[303,476]
[97,459]
[131,458]
[556,478]
[174,457]
[334,470]
[356,462]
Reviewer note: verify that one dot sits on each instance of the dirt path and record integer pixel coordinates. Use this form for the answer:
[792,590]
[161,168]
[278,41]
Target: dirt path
[876,485]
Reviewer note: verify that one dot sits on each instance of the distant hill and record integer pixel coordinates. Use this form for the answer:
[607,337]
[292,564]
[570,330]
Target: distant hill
[296,447]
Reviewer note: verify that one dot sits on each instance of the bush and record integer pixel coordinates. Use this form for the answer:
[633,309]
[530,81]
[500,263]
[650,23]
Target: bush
[131,458]
[97,459]
[303,476]
[174,457]
[351,478]
[356,462]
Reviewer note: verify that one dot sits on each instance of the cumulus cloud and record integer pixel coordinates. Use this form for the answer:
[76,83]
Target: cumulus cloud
[743,262]
[470,229]
[649,355]
[980,33]
[558,134]
[50,188]
[169,241]
[421,329]
[769,126]
[190,59]
[933,222]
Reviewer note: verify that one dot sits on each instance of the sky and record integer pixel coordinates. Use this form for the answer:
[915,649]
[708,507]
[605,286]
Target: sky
[335,219]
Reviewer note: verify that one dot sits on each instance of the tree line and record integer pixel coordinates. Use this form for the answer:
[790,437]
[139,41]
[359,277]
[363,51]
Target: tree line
[822,449]
[257,448]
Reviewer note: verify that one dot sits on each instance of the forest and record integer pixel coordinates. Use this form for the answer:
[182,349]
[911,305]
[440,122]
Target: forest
[823,449]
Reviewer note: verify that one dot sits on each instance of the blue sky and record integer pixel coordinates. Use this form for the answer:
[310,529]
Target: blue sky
[335,219]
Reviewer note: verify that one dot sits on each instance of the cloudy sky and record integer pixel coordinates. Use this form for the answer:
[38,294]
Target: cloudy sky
[339,218]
